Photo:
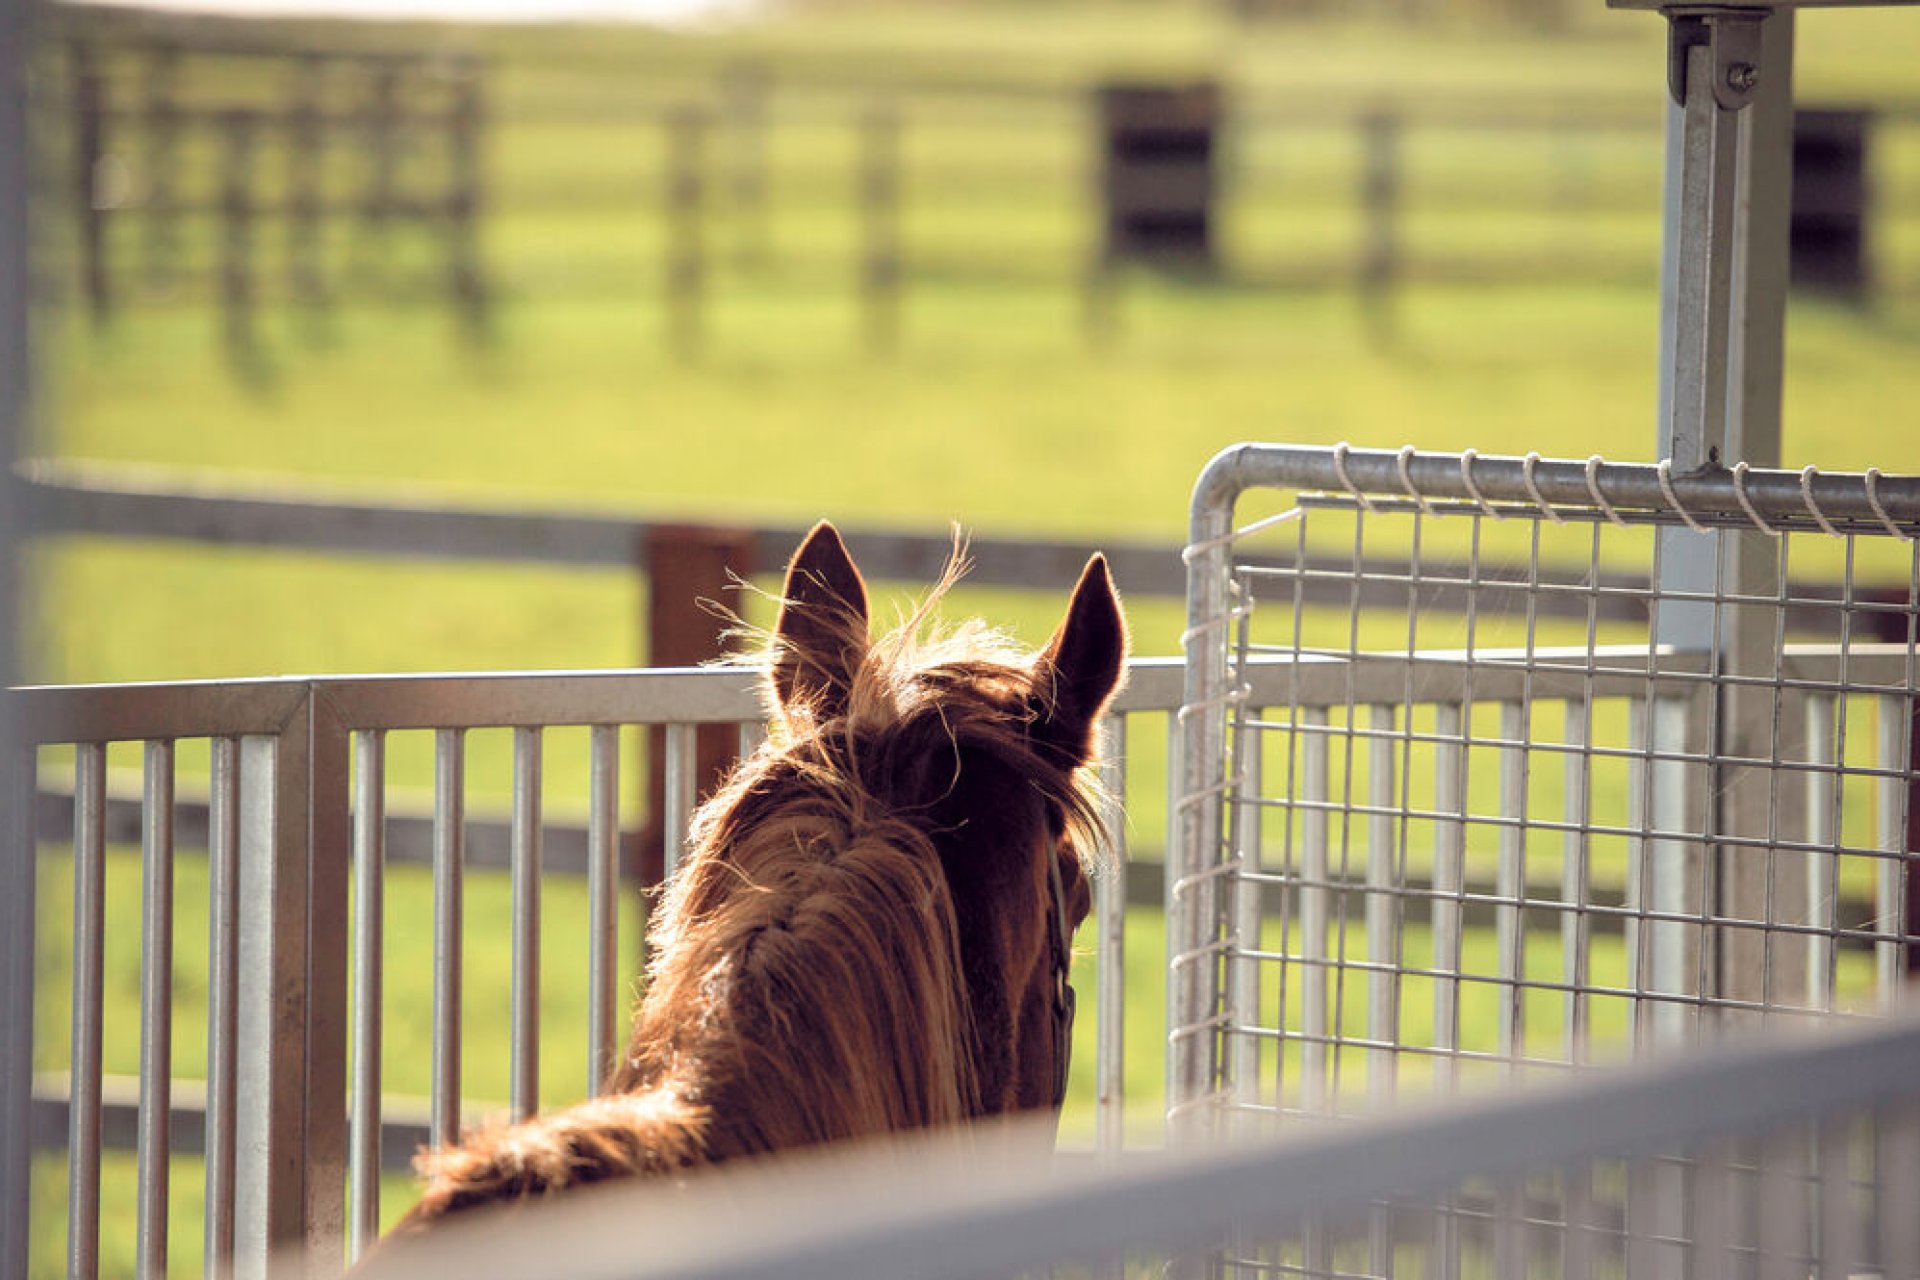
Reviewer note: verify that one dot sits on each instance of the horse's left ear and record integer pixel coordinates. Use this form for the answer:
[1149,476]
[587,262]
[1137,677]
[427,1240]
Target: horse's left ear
[1080,670]
[821,635]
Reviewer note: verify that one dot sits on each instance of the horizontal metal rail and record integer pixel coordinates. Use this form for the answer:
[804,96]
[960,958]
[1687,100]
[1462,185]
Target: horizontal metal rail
[932,1210]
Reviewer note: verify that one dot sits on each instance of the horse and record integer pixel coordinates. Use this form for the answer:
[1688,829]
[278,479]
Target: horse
[870,931]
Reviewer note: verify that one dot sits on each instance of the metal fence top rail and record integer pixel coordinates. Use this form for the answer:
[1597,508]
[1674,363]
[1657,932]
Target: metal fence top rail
[1765,499]
[227,708]
[930,1208]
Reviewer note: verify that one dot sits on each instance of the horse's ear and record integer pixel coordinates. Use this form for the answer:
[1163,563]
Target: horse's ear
[821,636]
[1080,670]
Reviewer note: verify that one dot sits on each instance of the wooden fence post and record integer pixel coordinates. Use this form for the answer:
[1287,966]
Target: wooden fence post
[744,91]
[880,209]
[163,155]
[1380,199]
[686,565]
[686,258]
[89,147]
[380,123]
[237,292]
[305,169]
[463,204]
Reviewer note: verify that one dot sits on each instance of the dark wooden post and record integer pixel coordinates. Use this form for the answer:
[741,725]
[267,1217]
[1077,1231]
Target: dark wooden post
[163,155]
[305,170]
[463,205]
[880,210]
[381,125]
[686,566]
[744,90]
[1380,199]
[686,258]
[89,150]
[237,293]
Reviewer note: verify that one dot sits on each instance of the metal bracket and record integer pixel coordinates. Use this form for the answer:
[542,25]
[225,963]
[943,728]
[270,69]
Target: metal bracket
[1732,36]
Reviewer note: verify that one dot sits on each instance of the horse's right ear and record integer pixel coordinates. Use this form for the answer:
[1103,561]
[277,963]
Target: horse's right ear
[821,636]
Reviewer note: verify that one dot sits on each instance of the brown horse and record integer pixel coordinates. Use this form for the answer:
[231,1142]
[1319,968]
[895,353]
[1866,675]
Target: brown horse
[869,933]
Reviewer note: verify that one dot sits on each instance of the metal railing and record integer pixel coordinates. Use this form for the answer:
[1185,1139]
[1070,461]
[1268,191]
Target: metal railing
[1793,1156]
[1694,822]
[296,821]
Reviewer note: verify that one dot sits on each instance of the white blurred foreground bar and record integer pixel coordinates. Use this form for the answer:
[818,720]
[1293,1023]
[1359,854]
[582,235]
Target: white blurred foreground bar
[1794,1155]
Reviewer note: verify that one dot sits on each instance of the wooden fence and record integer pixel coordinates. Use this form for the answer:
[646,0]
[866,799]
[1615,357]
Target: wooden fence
[1369,177]
[140,138]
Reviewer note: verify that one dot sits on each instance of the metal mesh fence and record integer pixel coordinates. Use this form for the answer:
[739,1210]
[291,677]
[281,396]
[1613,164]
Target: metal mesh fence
[1466,797]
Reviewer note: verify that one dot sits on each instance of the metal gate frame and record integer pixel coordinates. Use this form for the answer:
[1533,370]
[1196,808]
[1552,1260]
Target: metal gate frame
[1207,912]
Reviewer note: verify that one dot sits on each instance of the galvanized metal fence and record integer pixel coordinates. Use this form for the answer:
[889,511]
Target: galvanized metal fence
[294,1105]
[1498,845]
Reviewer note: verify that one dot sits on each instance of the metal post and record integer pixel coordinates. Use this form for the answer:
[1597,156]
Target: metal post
[16,846]
[1722,321]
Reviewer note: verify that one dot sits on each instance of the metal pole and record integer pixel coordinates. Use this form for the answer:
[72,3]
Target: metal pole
[16,847]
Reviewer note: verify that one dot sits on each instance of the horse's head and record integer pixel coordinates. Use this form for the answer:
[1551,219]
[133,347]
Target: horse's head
[988,753]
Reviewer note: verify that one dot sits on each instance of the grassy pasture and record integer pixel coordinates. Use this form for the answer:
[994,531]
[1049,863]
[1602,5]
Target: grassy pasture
[995,411]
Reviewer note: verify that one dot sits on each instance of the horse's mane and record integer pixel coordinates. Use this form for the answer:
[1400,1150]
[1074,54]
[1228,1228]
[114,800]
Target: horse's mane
[806,980]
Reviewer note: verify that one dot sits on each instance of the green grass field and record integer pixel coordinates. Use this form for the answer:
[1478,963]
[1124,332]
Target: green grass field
[994,412]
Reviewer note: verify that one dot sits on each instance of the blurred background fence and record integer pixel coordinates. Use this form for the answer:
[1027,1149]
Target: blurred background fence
[267,169]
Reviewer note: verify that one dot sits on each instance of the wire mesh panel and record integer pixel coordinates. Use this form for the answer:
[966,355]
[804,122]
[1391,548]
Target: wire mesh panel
[1499,766]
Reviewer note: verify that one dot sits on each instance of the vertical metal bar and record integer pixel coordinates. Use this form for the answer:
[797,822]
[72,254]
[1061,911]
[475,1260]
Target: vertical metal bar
[524,1076]
[1672,857]
[1711,1237]
[156,1010]
[1510,888]
[1383,888]
[1243,970]
[369,935]
[1578,1245]
[752,734]
[1839,1225]
[1110,922]
[325,795]
[1823,832]
[269,1056]
[18,853]
[223,997]
[1897,1180]
[1449,856]
[83,1070]
[603,887]
[1575,927]
[1315,1093]
[1194,817]
[449,871]
[681,783]
[19,870]
[1889,893]
[1785,1220]
[1634,897]
[1696,310]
